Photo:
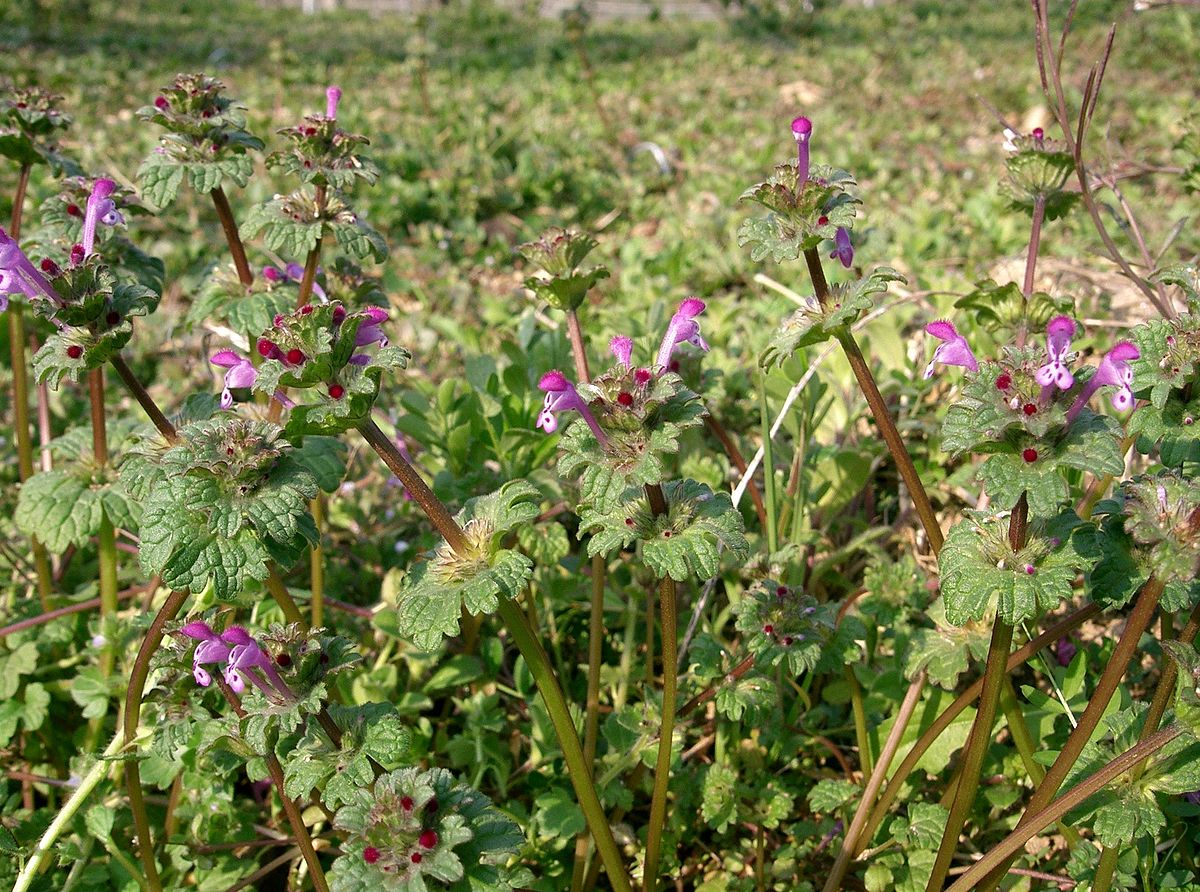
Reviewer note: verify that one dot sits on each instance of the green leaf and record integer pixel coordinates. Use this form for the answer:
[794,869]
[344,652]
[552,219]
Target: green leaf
[831,794]
[718,805]
[686,541]
[558,815]
[980,572]
[159,179]
[37,705]
[816,322]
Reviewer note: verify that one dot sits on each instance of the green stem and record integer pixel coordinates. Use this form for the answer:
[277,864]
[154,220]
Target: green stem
[577,767]
[295,818]
[1139,618]
[946,718]
[133,712]
[874,782]
[995,677]
[317,564]
[866,760]
[1163,692]
[1036,822]
[20,384]
[284,598]
[107,541]
[591,720]
[66,814]
[768,465]
[236,249]
[880,412]
[531,649]
[1026,746]
[666,731]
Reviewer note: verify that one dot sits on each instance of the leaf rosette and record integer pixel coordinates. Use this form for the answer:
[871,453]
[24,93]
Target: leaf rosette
[802,215]
[684,542]
[1038,170]
[781,624]
[436,591]
[563,281]
[982,575]
[206,141]
[292,225]
[92,316]
[233,497]
[30,122]
[814,323]
[420,828]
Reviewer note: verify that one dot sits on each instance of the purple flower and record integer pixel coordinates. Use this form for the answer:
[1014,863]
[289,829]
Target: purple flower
[370,332]
[1114,369]
[1058,344]
[240,373]
[683,328]
[332,96]
[100,209]
[1064,651]
[213,648]
[622,348]
[294,272]
[953,350]
[246,661]
[561,396]
[18,275]
[843,250]
[802,131]
[272,274]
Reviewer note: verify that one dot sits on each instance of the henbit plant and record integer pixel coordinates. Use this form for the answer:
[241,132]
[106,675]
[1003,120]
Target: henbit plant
[220,497]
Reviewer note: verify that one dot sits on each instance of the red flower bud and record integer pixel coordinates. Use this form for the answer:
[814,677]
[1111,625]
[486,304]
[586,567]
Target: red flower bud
[625,399]
[265,347]
[406,803]
[1030,455]
[74,351]
[1003,381]
[415,857]
[295,356]
[1029,409]
[370,854]
[337,391]
[428,839]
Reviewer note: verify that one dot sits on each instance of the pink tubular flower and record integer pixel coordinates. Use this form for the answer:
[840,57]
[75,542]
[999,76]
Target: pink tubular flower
[294,272]
[1114,369]
[1058,344]
[240,372]
[802,131]
[213,648]
[683,328]
[953,350]
[332,96]
[561,396]
[100,209]
[246,661]
[843,250]
[19,276]
[370,332]
[622,348]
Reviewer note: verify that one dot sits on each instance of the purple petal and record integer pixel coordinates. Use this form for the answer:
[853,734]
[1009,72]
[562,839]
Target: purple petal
[235,636]
[201,675]
[199,630]
[332,96]
[227,359]
[553,381]
[622,348]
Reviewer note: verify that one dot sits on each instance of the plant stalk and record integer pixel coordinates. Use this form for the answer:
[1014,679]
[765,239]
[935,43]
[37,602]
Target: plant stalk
[316,564]
[283,597]
[1163,692]
[134,386]
[1013,843]
[133,712]
[236,249]
[666,731]
[1139,618]
[20,384]
[531,649]
[995,677]
[875,781]
[295,818]
[65,815]
[880,412]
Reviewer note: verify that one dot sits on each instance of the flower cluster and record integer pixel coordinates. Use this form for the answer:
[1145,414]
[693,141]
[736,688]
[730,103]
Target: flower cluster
[322,153]
[1038,168]
[624,393]
[202,123]
[808,204]
[562,280]
[244,659]
[1053,375]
